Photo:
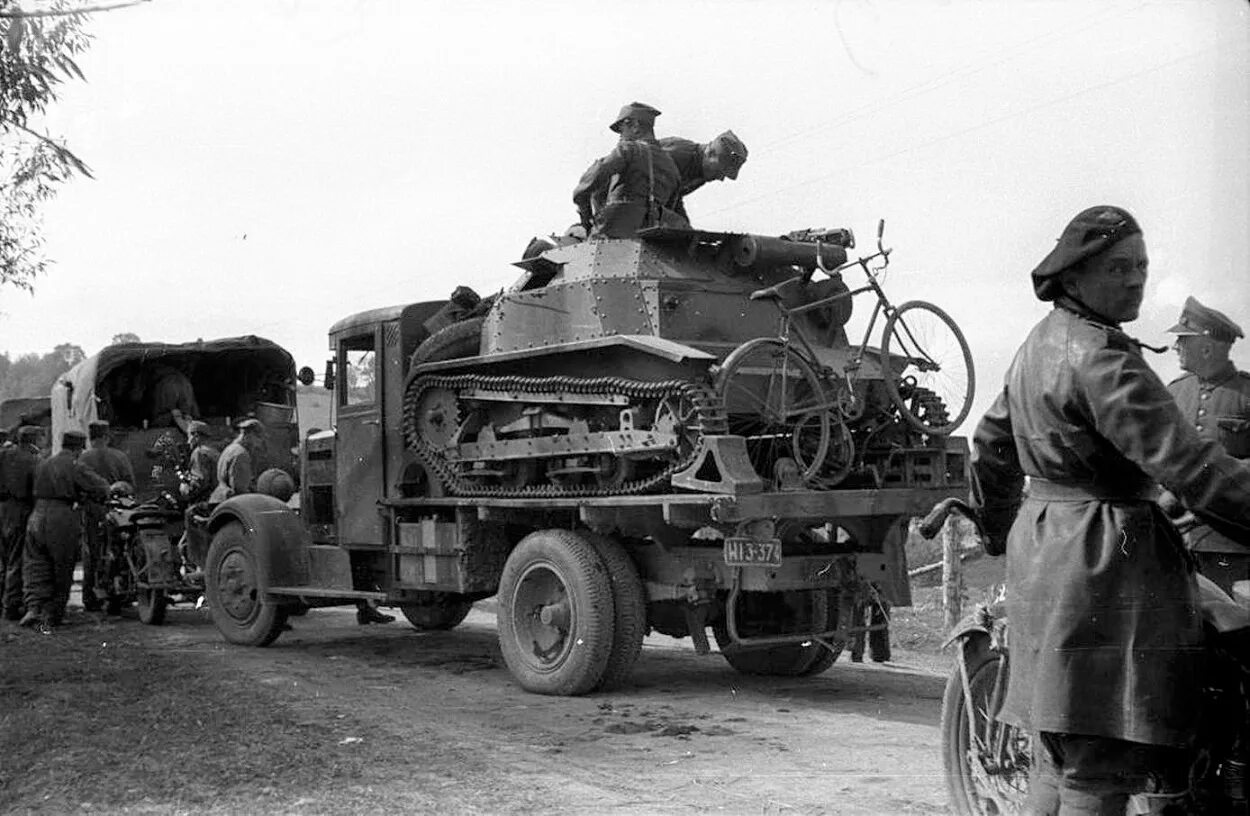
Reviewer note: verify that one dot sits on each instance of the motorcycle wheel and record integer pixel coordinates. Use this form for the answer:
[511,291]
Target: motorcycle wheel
[987,762]
[152,604]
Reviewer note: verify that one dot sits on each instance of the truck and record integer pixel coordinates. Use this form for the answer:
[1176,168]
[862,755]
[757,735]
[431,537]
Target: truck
[572,446]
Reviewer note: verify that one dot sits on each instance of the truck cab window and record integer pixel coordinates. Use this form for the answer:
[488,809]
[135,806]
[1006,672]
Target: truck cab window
[357,377]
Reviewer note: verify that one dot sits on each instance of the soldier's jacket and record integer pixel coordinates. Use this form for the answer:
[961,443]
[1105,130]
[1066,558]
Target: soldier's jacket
[637,182]
[201,472]
[111,464]
[62,477]
[1219,409]
[234,473]
[17,473]
[1105,629]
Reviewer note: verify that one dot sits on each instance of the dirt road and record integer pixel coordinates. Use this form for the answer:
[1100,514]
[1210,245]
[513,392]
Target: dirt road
[687,735]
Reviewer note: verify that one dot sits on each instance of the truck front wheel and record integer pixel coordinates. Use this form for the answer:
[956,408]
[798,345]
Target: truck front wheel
[232,589]
[556,614]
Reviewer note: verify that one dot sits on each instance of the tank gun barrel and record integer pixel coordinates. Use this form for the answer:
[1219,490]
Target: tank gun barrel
[761,251]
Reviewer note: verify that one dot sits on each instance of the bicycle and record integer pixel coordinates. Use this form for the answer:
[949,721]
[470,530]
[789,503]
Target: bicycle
[798,407]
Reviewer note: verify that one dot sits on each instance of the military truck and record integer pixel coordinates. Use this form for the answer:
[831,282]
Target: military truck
[566,446]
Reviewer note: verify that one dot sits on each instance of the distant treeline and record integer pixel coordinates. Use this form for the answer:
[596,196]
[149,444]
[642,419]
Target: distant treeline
[32,375]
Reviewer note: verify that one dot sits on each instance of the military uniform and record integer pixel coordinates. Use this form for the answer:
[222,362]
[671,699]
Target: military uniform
[112,466]
[1106,634]
[236,472]
[55,529]
[17,475]
[688,156]
[637,183]
[1218,407]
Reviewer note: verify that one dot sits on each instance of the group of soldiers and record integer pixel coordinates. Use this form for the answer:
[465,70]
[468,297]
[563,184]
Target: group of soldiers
[1102,593]
[52,508]
[643,182]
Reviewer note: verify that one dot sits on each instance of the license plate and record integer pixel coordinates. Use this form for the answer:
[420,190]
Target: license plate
[751,552]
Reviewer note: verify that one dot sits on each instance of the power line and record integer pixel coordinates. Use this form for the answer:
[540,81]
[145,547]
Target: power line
[987,123]
[1007,55]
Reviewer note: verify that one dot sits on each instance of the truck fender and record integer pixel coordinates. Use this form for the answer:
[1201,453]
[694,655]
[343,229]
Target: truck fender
[281,540]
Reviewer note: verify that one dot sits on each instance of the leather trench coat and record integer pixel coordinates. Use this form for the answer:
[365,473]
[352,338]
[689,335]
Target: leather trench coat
[1105,629]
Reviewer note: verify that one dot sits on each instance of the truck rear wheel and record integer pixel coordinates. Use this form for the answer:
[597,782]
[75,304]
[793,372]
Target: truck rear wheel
[630,602]
[436,611]
[556,614]
[232,589]
[761,614]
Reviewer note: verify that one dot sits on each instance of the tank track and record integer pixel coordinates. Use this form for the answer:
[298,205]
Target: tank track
[710,419]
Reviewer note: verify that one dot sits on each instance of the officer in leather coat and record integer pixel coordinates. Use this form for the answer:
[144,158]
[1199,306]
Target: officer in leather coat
[1106,633]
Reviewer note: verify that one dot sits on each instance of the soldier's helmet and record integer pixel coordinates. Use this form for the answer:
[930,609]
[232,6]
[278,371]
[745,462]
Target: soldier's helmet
[276,482]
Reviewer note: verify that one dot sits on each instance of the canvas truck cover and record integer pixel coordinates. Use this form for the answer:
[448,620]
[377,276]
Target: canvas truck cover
[230,377]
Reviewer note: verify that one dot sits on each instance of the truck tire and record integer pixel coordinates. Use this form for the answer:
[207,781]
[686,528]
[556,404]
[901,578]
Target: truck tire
[436,611]
[556,614]
[785,660]
[231,588]
[630,602]
[463,339]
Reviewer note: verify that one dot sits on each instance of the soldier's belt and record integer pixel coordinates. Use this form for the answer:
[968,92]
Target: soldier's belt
[1047,490]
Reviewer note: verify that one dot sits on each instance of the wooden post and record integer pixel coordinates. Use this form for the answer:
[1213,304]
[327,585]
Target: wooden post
[952,575]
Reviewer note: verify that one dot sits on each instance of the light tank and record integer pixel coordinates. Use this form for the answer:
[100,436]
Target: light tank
[599,373]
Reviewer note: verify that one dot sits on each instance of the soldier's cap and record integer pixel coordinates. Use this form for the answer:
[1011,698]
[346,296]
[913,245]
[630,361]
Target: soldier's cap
[97,429]
[29,433]
[252,425]
[1200,320]
[197,427]
[73,439]
[732,148]
[1091,232]
[634,110]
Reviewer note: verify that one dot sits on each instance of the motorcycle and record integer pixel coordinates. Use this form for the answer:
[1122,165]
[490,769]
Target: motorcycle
[141,561]
[987,762]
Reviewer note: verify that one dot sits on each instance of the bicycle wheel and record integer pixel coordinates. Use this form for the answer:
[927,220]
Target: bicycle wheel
[776,401]
[932,380]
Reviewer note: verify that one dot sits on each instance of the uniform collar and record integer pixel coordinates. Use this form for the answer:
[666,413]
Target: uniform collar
[1226,373]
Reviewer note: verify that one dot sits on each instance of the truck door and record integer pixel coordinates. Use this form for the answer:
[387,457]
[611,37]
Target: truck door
[359,426]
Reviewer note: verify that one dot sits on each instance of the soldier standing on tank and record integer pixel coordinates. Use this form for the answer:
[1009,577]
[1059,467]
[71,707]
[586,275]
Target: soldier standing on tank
[1215,397]
[698,164]
[113,466]
[17,481]
[54,532]
[637,182]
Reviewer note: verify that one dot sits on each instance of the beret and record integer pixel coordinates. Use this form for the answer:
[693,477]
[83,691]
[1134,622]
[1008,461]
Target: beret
[1089,233]
[634,110]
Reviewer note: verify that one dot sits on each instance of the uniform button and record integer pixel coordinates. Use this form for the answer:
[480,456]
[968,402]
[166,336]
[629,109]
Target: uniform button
[1202,412]
[1204,395]
[1198,426]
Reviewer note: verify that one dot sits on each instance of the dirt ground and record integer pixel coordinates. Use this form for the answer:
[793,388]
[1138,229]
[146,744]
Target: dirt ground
[110,716]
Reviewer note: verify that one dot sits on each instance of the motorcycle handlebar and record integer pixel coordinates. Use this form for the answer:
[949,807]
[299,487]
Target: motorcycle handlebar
[933,522]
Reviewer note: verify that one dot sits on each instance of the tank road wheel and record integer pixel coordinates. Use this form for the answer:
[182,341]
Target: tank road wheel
[775,400]
[938,361]
[231,586]
[556,614]
[987,762]
[765,613]
[436,611]
[630,601]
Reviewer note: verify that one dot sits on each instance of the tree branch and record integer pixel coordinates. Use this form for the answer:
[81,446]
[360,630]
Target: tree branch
[61,150]
[19,14]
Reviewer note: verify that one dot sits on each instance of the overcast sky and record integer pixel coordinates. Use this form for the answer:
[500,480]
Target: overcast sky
[270,166]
